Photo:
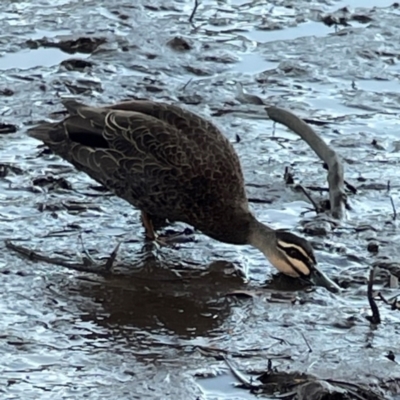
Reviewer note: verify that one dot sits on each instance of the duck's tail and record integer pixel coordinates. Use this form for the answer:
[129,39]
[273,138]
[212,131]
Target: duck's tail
[55,131]
[43,132]
[72,106]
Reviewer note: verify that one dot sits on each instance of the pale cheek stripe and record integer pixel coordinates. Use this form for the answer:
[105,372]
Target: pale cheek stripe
[300,266]
[291,245]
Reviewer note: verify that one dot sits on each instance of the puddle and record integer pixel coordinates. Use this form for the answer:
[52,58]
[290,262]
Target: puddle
[222,387]
[306,29]
[352,4]
[28,59]
[332,106]
[41,57]
[378,86]
[253,63]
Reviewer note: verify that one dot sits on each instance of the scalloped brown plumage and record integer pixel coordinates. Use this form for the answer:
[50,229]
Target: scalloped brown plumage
[172,164]
[164,160]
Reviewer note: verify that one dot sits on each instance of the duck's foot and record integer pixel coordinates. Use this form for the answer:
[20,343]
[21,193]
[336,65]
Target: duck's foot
[170,238]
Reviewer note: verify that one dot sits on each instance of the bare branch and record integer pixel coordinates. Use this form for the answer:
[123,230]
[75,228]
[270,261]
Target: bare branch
[307,343]
[337,193]
[85,266]
[196,4]
[311,200]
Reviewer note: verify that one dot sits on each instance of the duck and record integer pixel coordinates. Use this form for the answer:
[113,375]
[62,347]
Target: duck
[173,165]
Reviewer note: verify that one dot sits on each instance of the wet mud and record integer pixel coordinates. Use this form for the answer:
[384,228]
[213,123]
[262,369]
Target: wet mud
[193,322]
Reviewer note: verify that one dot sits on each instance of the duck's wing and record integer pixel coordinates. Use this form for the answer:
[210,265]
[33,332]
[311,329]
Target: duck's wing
[188,122]
[104,142]
[148,161]
[201,132]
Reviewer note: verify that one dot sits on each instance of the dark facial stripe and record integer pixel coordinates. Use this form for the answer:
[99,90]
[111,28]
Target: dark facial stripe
[295,252]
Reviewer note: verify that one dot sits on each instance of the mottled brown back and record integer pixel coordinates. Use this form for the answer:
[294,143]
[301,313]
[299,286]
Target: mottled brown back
[161,158]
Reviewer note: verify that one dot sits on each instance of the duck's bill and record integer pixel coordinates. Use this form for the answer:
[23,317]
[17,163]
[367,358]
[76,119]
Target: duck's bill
[318,278]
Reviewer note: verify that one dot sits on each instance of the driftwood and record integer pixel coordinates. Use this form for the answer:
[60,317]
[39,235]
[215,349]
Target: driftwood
[336,183]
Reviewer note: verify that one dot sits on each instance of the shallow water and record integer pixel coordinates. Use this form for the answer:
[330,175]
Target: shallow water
[147,331]
[28,59]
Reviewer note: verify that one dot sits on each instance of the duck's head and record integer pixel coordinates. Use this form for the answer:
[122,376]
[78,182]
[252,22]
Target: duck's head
[292,255]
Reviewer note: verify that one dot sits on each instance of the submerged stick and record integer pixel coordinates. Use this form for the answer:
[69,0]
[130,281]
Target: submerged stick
[337,193]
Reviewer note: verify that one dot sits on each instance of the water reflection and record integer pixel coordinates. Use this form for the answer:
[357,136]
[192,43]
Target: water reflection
[155,299]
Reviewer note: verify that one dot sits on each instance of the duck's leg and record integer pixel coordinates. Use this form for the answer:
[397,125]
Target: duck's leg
[149,230]
[164,240]
[148,226]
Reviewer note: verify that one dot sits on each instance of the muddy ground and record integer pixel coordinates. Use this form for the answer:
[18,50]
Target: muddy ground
[160,327]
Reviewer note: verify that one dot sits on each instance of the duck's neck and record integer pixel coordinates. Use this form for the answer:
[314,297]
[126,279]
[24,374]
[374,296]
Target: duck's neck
[261,236]
[240,228]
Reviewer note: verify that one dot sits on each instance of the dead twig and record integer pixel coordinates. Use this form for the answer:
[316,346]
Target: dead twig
[375,318]
[388,188]
[393,208]
[186,84]
[32,255]
[89,260]
[384,299]
[307,343]
[350,187]
[311,200]
[111,259]
[259,201]
[325,153]
[288,176]
[317,189]
[196,4]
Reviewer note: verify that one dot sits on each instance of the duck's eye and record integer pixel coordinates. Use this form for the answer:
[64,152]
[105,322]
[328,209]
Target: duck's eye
[293,253]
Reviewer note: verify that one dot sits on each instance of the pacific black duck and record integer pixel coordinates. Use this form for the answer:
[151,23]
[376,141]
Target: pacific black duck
[172,164]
